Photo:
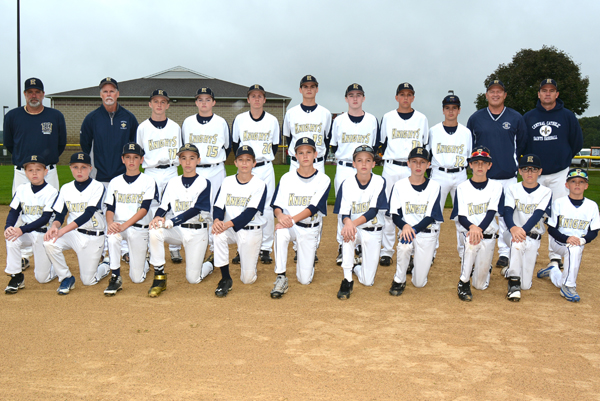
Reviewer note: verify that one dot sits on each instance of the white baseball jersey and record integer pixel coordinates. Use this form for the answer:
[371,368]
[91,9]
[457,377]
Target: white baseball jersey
[160,145]
[474,203]
[525,204]
[295,193]
[574,221]
[348,135]
[234,198]
[402,135]
[415,206]
[211,138]
[449,151]
[355,200]
[127,198]
[77,201]
[33,205]
[260,135]
[180,199]
[299,124]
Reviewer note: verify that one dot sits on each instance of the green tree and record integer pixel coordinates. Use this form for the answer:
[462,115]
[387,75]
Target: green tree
[591,131]
[522,77]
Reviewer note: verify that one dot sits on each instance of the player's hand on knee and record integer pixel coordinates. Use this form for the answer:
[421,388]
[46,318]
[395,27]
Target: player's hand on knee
[348,232]
[279,226]
[114,228]
[286,220]
[575,241]
[518,234]
[157,223]
[475,235]
[408,233]
[9,234]
[51,234]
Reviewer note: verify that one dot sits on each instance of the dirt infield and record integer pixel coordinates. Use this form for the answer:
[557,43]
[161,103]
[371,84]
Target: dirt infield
[188,344]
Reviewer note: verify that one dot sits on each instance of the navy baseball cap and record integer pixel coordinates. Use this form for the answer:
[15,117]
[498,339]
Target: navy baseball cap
[577,172]
[363,148]
[496,82]
[160,92]
[34,83]
[256,87]
[480,153]
[133,148]
[35,159]
[189,147]
[354,87]
[419,151]
[306,141]
[245,150]
[205,91]
[451,99]
[109,80]
[81,157]
[530,160]
[548,81]
[403,86]
[308,78]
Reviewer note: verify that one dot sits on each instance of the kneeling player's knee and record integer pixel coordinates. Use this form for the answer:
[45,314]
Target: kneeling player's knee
[405,248]
[248,278]
[51,248]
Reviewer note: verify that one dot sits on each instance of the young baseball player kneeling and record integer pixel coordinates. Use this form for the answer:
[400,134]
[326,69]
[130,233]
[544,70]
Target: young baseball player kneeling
[33,203]
[299,203]
[476,202]
[525,204]
[238,219]
[574,222]
[361,202]
[128,200]
[188,197]
[415,210]
[84,232]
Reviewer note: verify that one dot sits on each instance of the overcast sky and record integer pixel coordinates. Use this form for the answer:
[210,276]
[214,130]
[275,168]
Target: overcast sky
[435,45]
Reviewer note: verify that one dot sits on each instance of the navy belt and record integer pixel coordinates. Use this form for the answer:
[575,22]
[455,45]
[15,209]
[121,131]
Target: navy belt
[534,236]
[139,226]
[195,226]
[262,163]
[319,160]
[373,228]
[92,233]
[164,166]
[342,163]
[41,230]
[308,225]
[397,163]
[490,236]
[207,165]
[451,170]
[251,228]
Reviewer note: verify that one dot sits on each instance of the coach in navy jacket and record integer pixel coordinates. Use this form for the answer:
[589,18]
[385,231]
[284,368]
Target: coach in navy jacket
[106,130]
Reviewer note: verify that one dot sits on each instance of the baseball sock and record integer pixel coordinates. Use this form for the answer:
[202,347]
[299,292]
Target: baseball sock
[281,274]
[225,272]
[159,269]
[348,273]
[116,272]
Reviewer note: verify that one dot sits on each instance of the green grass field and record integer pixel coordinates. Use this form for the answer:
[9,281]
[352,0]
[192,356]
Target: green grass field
[64,176]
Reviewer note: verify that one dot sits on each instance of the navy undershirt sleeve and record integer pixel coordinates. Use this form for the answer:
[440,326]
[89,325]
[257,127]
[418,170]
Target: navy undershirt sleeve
[397,219]
[13,216]
[557,235]
[85,216]
[39,223]
[161,212]
[60,217]
[489,216]
[185,216]
[218,213]
[533,220]
[464,222]
[508,217]
[371,213]
[423,224]
[243,219]
[589,237]
[146,204]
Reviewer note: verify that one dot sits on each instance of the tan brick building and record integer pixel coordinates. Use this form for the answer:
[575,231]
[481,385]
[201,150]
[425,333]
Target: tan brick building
[180,83]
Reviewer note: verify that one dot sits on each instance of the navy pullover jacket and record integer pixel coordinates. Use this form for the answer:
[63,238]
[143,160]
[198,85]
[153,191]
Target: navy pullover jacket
[553,135]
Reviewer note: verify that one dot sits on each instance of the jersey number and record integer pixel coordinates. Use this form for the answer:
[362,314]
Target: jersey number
[267,148]
[318,139]
[172,153]
[460,161]
[94,221]
[211,151]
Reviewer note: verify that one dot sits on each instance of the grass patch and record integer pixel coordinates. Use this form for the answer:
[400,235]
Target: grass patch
[64,176]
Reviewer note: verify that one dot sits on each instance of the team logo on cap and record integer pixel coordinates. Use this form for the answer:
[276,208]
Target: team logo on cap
[256,87]
[549,81]
[309,78]
[245,148]
[34,158]
[406,85]
[32,82]
[80,156]
[304,140]
[108,79]
[132,146]
[529,159]
[161,92]
[355,86]
[496,81]
[203,90]
[47,128]
[420,151]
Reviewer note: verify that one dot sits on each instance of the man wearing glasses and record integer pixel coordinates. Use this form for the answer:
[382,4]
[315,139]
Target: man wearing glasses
[554,134]
[502,130]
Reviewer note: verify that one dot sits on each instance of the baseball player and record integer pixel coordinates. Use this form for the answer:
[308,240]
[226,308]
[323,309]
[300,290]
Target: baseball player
[349,130]
[502,130]
[34,130]
[553,133]
[308,120]
[84,232]
[260,130]
[210,134]
[33,204]
[127,201]
[525,204]
[160,137]
[574,222]
[188,197]
[238,219]
[476,202]
[401,130]
[416,211]
[450,145]
[361,203]
[299,203]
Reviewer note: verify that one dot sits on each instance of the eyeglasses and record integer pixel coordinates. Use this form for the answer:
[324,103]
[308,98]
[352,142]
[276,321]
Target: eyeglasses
[530,169]
[480,153]
[577,173]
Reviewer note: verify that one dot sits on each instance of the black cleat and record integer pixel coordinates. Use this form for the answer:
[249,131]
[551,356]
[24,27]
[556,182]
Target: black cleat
[24,264]
[502,262]
[224,287]
[338,260]
[345,289]
[385,261]
[236,259]
[464,291]
[397,288]
[514,289]
[265,258]
[17,282]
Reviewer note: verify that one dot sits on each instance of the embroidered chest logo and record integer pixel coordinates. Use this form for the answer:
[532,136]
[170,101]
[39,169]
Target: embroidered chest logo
[47,128]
